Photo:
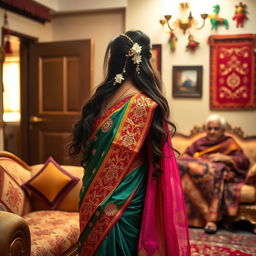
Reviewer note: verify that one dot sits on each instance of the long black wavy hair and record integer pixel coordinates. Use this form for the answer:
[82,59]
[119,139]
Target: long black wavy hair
[147,81]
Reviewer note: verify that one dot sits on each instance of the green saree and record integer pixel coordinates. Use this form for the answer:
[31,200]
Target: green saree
[114,183]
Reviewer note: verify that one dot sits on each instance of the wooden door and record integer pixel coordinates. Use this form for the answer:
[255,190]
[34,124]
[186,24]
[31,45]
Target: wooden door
[60,80]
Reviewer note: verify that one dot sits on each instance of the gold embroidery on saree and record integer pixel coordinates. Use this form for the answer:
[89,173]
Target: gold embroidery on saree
[110,209]
[107,126]
[134,123]
[101,227]
[128,140]
[107,179]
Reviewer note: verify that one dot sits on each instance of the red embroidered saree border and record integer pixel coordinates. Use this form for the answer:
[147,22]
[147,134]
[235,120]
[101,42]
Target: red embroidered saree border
[116,107]
[101,228]
[130,135]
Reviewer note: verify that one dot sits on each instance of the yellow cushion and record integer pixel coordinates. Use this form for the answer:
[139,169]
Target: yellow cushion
[51,183]
[71,199]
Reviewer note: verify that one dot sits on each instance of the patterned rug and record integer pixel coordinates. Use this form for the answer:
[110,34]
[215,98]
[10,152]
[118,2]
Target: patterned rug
[223,243]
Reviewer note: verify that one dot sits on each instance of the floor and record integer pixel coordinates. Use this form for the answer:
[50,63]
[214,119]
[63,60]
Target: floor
[236,242]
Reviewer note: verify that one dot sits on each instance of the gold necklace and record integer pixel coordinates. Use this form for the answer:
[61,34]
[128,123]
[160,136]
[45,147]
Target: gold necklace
[108,106]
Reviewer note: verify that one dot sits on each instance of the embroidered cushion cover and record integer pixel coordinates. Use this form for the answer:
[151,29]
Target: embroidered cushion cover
[12,196]
[51,183]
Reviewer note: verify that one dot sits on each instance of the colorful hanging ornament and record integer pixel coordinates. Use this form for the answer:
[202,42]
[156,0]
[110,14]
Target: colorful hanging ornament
[192,43]
[240,14]
[172,41]
[216,20]
[6,32]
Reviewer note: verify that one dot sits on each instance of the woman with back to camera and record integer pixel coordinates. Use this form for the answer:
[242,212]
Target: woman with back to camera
[131,201]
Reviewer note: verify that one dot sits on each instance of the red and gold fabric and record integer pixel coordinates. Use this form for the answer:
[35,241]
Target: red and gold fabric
[115,173]
[232,71]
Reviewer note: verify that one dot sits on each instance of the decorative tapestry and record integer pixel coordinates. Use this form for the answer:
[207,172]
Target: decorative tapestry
[233,71]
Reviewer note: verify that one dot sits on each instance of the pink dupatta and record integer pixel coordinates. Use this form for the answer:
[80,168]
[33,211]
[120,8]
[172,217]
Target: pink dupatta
[164,229]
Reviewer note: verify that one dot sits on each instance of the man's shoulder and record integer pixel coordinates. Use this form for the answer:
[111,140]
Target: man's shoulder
[230,138]
[200,140]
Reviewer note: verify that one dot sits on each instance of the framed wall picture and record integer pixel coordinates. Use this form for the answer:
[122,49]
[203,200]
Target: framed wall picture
[187,81]
[157,56]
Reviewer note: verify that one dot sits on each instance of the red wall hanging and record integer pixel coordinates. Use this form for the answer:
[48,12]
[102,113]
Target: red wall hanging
[233,71]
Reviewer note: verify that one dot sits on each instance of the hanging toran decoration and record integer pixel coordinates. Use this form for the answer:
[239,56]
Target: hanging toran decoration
[6,32]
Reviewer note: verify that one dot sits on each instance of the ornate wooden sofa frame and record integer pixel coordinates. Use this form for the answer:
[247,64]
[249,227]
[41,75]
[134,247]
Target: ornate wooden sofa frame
[247,207]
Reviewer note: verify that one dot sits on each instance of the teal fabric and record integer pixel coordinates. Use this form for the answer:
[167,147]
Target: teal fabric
[123,237]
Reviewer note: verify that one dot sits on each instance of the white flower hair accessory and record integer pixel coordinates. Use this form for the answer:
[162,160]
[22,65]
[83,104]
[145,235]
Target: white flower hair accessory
[136,48]
[118,79]
[135,54]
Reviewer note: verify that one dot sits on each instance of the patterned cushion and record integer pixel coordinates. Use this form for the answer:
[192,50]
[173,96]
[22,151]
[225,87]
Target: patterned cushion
[12,196]
[51,183]
[48,240]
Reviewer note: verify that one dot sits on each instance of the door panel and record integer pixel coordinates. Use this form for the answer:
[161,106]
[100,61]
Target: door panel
[48,140]
[60,81]
[51,84]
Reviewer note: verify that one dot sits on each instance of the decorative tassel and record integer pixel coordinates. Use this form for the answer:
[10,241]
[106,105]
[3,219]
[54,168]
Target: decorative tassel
[7,47]
[6,32]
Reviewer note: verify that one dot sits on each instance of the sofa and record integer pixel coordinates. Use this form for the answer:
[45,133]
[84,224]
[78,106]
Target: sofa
[29,225]
[247,206]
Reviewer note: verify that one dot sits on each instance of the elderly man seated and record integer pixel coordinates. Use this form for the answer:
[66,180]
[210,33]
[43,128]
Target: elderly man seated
[213,169]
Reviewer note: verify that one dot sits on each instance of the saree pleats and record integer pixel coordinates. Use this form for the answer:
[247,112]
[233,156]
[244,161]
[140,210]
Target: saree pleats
[124,235]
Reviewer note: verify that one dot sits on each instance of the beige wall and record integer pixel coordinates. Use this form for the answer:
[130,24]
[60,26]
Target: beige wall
[29,27]
[144,15]
[100,26]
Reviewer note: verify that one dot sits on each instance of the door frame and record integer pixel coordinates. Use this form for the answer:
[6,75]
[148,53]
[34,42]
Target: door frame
[25,41]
